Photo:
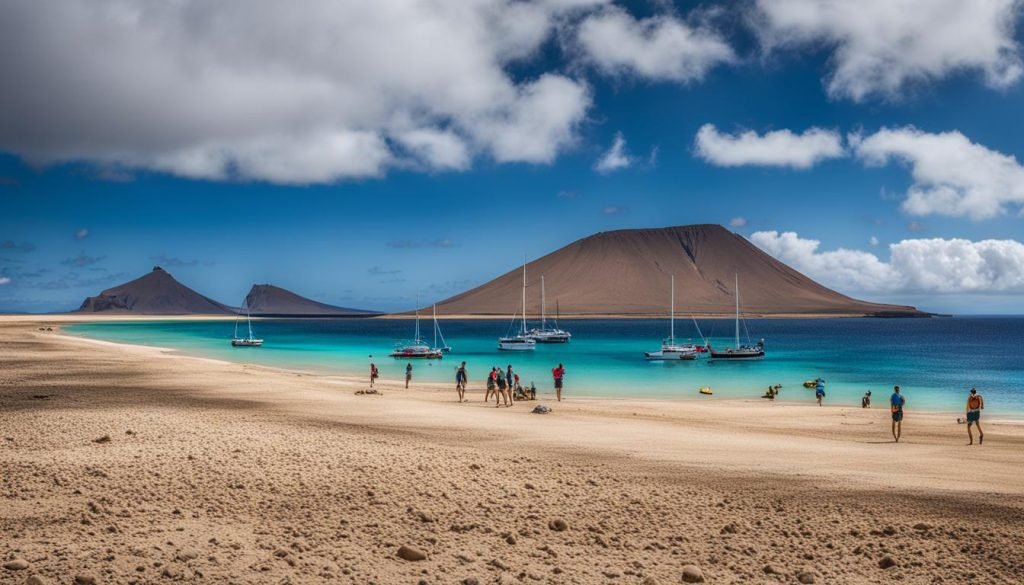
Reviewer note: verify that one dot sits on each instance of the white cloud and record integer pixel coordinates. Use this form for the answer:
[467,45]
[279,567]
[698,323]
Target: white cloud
[260,90]
[738,222]
[660,47]
[4,280]
[952,175]
[81,234]
[873,241]
[438,149]
[779,148]
[615,158]
[936,265]
[882,46]
[613,210]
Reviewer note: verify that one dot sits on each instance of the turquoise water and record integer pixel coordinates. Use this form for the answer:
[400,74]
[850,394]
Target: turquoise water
[934,360]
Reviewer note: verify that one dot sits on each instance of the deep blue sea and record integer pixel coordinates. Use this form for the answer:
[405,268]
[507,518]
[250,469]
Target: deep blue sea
[935,361]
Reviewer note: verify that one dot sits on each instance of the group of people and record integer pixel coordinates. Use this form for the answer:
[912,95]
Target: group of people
[975,404]
[504,385]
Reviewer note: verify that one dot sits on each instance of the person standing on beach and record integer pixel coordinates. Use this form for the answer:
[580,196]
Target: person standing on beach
[460,382]
[896,402]
[975,404]
[558,374]
[509,379]
[408,375]
[492,384]
[374,374]
[819,391]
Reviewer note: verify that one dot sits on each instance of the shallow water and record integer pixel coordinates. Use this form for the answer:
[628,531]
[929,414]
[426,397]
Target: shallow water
[935,361]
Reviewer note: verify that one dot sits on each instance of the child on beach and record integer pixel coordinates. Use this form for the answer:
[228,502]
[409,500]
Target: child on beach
[865,402]
[975,404]
[408,375]
[374,374]
[896,402]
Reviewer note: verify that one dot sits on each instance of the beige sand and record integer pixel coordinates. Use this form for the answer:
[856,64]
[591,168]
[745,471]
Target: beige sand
[220,472]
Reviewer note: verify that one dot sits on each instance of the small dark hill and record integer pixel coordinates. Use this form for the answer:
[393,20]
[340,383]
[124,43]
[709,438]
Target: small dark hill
[267,300]
[156,293]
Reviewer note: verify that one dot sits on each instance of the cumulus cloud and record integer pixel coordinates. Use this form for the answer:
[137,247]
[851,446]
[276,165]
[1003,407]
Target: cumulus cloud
[778,148]
[260,90]
[933,265]
[661,47]
[880,47]
[738,222]
[615,158]
[952,175]
[873,241]
[4,280]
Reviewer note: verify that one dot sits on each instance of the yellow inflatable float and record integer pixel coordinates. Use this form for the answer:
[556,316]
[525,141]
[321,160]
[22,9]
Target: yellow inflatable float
[706,390]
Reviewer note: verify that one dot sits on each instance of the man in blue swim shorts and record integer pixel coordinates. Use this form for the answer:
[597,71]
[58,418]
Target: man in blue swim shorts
[974,405]
[896,401]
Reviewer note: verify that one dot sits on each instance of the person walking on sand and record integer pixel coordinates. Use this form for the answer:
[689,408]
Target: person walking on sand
[819,391]
[460,381]
[492,384]
[408,375]
[374,374]
[975,404]
[502,389]
[896,402]
[510,379]
[558,374]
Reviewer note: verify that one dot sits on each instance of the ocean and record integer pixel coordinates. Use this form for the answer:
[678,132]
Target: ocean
[935,361]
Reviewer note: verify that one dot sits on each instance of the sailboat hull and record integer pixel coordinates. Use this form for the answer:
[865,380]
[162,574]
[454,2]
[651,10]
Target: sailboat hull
[517,344]
[246,342]
[737,354]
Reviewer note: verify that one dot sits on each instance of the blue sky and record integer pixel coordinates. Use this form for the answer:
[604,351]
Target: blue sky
[87,202]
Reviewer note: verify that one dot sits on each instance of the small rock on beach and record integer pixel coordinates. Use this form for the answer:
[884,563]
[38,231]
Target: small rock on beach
[411,553]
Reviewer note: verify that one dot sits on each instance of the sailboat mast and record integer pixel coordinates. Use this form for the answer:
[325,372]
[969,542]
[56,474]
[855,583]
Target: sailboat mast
[434,314]
[737,311]
[543,319]
[417,338]
[248,317]
[524,298]
[672,312]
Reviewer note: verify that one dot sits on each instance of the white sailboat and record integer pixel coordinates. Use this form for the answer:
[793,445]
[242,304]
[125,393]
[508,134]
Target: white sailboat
[250,340]
[548,334]
[522,341]
[670,349]
[417,348]
[739,352]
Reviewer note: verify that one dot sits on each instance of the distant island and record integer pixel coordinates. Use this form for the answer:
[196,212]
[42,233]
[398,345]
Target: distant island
[622,273]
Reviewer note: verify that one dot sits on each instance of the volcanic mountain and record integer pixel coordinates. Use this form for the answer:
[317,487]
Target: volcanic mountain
[626,272]
[156,293]
[268,300]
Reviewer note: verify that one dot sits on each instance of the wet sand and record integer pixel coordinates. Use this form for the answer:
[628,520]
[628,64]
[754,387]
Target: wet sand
[137,465]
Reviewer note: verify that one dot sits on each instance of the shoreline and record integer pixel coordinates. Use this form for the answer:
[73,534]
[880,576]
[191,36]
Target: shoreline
[357,375]
[130,463]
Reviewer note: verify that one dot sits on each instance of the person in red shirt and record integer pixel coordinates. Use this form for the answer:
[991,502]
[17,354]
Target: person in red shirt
[373,374]
[558,373]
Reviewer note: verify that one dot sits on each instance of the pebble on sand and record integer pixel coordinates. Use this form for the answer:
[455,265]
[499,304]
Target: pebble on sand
[692,574]
[887,562]
[103,439]
[411,553]
[35,580]
[16,565]
[558,525]
[806,577]
[85,580]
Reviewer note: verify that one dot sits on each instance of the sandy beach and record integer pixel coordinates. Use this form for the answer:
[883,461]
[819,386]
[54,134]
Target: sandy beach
[125,464]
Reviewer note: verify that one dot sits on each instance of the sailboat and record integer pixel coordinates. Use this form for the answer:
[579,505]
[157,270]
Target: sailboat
[739,352]
[546,334]
[444,347]
[522,341]
[417,348]
[670,350]
[250,340]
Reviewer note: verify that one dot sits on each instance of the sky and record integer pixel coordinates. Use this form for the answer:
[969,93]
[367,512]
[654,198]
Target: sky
[366,153]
